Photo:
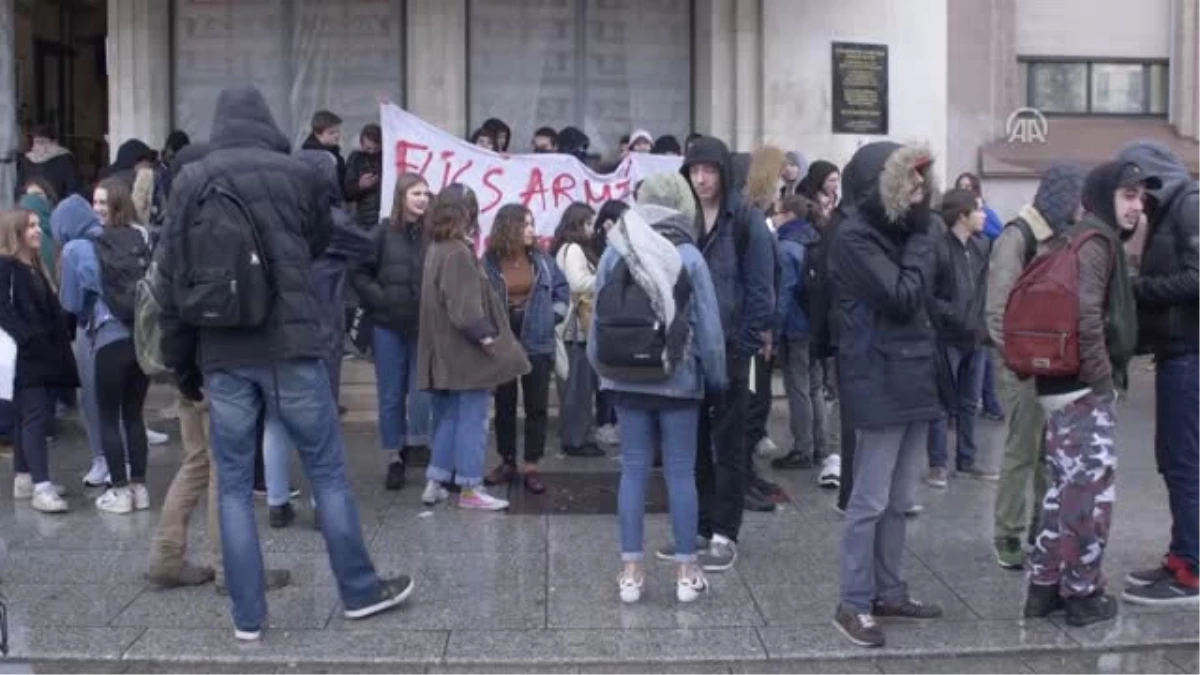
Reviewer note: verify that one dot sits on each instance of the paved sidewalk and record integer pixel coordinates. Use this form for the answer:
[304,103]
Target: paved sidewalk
[525,593]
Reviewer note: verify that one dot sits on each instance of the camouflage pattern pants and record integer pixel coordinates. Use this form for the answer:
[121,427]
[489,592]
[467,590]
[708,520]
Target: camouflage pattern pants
[1081,460]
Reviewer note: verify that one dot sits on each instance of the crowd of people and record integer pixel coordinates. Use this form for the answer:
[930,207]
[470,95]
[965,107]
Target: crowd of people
[891,308]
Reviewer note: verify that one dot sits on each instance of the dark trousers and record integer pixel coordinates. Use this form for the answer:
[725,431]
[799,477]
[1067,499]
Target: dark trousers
[849,442]
[1177,449]
[535,395]
[260,465]
[760,403]
[30,454]
[721,462]
[121,388]
[606,412]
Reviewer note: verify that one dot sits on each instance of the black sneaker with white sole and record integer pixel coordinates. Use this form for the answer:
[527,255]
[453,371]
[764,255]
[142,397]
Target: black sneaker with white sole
[392,592]
[667,553]
[720,556]
[1165,592]
[858,627]
[1149,577]
[909,609]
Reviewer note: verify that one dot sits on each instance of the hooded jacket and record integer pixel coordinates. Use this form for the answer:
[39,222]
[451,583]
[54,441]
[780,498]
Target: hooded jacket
[796,237]
[1052,212]
[75,225]
[745,287]
[882,265]
[288,202]
[1107,313]
[1167,287]
[706,370]
[52,163]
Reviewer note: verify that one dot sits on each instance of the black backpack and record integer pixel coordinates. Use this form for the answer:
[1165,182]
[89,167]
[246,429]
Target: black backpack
[632,344]
[816,295]
[124,257]
[225,280]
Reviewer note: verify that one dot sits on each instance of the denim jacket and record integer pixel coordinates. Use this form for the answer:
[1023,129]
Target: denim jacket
[548,302]
[706,369]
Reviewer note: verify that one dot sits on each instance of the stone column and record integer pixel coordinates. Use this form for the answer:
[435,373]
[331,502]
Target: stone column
[1185,62]
[8,105]
[748,71]
[139,72]
[982,77]
[436,74]
[714,93]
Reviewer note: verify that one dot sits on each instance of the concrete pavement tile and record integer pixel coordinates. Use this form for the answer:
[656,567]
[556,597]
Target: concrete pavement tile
[1137,630]
[1186,658]
[816,666]
[72,667]
[951,665]
[62,605]
[315,647]
[449,530]
[603,646]
[283,668]
[82,529]
[35,566]
[201,607]
[81,642]
[916,638]
[814,603]
[994,597]
[598,668]
[1103,662]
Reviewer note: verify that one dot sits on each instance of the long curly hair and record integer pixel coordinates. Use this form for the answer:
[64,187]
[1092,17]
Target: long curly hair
[762,179]
[508,232]
[573,229]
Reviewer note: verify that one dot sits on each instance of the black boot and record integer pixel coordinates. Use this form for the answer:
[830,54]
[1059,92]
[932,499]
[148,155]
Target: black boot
[1094,608]
[792,461]
[282,516]
[1042,601]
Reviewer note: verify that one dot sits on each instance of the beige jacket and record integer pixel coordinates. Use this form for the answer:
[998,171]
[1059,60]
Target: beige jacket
[1005,266]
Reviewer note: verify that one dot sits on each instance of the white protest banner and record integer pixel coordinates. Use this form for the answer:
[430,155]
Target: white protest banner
[545,183]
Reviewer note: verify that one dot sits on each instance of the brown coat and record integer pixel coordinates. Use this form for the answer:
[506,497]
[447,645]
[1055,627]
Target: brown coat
[458,310]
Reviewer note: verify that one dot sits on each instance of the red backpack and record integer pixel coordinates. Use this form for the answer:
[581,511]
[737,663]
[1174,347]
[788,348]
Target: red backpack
[1041,320]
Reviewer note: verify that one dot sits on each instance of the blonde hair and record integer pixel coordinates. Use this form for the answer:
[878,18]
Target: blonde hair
[13,224]
[143,193]
[762,179]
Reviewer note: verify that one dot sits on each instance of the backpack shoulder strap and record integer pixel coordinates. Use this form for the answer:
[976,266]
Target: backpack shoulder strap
[1028,236]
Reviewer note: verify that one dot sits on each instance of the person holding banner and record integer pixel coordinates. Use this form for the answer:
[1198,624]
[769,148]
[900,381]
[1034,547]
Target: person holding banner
[536,294]
[389,286]
[465,349]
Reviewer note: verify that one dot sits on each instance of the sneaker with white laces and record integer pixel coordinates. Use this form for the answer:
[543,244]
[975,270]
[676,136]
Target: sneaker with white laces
[97,476]
[607,435]
[141,496]
[47,500]
[116,500]
[766,447]
[831,472]
[22,487]
[720,556]
[858,627]
[434,492]
[630,587]
[477,499]
[691,586]
[156,437]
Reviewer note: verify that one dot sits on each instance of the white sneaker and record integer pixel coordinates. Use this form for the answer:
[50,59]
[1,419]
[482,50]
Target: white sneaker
[477,499]
[98,475]
[434,493]
[607,435]
[766,447]
[831,472]
[141,496]
[22,487]
[688,588]
[156,437]
[47,500]
[630,587]
[246,635]
[116,500]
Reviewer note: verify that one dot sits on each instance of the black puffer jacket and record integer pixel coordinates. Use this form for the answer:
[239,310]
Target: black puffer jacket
[1167,287]
[30,313]
[389,283]
[289,203]
[366,201]
[882,264]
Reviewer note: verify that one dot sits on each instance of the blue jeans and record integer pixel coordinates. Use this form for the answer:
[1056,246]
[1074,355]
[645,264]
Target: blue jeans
[403,409]
[991,404]
[460,436]
[277,460]
[298,394]
[1176,446]
[677,424]
[967,365]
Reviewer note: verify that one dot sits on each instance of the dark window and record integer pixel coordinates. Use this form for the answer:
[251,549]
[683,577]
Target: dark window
[1096,87]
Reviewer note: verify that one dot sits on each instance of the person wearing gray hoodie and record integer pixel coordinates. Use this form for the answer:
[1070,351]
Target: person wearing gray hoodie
[1055,207]
[1167,290]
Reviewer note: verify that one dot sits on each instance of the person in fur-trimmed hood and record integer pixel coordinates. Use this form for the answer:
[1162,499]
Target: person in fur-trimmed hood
[882,264]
